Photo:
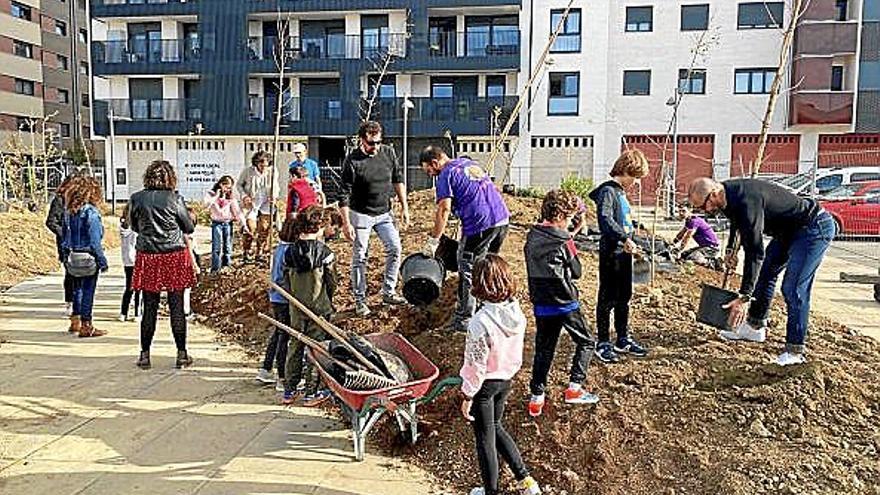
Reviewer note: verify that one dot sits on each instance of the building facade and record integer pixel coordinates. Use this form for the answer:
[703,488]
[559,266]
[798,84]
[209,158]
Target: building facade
[199,83]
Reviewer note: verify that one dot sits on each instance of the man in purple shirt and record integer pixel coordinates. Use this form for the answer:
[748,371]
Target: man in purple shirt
[463,187]
[696,228]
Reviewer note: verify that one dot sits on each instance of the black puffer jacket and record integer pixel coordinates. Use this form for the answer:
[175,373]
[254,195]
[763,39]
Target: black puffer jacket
[160,219]
[552,265]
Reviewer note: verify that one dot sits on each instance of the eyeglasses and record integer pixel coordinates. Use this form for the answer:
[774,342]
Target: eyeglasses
[706,201]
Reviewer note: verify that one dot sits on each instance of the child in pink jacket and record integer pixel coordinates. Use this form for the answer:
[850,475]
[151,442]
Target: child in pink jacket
[492,356]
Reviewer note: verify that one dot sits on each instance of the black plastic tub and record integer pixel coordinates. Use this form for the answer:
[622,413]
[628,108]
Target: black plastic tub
[422,279]
[710,311]
[447,252]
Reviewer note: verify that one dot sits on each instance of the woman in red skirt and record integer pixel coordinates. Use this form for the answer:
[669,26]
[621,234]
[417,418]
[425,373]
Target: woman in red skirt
[162,264]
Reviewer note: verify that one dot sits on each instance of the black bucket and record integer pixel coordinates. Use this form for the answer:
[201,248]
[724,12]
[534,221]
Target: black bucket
[447,252]
[710,311]
[641,271]
[422,279]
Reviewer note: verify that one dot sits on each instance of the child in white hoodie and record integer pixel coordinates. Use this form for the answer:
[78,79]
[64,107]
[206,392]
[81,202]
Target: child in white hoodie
[128,239]
[492,356]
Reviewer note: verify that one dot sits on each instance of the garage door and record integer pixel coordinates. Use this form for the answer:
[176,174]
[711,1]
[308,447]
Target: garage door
[695,153]
[849,150]
[780,156]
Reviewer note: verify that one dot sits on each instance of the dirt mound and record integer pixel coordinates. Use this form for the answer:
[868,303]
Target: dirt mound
[697,416]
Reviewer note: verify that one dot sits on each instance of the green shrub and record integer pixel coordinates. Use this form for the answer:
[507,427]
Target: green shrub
[530,192]
[580,186]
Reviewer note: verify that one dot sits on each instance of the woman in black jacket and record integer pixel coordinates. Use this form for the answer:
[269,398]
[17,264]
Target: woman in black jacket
[55,223]
[162,264]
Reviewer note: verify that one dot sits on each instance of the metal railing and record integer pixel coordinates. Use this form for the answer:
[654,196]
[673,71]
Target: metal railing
[295,109]
[474,43]
[147,51]
[460,109]
[330,46]
[137,2]
[155,109]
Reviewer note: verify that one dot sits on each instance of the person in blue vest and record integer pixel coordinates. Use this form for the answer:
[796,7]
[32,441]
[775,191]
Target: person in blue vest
[301,159]
[463,187]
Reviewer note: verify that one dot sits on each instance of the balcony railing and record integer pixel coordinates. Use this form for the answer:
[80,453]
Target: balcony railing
[824,38]
[147,51]
[137,2]
[331,46]
[474,43]
[263,109]
[821,108]
[162,109]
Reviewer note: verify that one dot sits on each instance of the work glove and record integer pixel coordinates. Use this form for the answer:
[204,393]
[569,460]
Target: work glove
[430,247]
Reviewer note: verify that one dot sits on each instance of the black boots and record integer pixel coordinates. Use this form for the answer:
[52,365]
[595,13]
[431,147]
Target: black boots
[143,361]
[183,360]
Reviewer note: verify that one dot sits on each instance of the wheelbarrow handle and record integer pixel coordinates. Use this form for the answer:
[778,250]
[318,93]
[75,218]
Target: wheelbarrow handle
[448,382]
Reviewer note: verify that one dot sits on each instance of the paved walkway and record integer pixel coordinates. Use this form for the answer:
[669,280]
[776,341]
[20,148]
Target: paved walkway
[77,417]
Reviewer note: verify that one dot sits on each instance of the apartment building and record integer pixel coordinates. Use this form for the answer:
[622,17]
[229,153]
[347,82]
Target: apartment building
[620,68]
[44,69]
[200,82]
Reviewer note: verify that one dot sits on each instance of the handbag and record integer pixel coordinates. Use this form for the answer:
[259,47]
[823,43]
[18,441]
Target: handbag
[81,264]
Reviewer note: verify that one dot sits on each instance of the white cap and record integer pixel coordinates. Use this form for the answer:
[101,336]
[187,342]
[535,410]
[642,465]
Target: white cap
[299,148]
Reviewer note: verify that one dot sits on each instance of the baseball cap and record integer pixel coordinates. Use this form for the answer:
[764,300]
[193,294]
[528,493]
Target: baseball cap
[299,148]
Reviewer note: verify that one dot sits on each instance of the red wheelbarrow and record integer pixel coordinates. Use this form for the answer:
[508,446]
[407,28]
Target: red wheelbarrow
[365,407]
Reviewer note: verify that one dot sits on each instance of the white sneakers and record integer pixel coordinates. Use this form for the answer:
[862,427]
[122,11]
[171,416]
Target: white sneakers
[745,332]
[790,358]
[265,376]
[528,486]
[122,318]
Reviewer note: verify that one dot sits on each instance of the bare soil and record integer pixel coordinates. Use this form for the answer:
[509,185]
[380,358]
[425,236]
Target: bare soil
[697,416]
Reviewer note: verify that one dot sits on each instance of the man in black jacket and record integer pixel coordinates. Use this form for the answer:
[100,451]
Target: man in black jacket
[801,232]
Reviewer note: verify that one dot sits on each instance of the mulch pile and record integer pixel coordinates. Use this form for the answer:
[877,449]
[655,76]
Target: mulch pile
[697,416]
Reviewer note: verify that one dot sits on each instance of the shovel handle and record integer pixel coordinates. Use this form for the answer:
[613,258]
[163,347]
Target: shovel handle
[308,341]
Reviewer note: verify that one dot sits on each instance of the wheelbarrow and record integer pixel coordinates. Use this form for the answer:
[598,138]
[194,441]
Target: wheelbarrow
[364,408]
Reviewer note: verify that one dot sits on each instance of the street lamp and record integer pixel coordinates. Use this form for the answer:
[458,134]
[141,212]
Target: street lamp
[674,102]
[112,163]
[407,106]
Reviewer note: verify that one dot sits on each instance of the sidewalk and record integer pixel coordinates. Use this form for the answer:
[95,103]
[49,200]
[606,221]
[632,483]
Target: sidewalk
[77,417]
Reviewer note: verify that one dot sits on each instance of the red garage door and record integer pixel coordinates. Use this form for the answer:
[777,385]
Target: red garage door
[695,155]
[780,155]
[849,150]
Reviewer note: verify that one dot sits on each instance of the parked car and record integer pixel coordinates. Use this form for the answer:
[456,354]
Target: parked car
[855,208]
[828,179]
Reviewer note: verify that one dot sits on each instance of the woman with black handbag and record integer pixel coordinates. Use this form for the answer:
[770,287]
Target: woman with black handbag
[82,252]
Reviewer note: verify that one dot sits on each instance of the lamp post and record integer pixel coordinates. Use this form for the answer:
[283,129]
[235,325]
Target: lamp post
[674,102]
[112,119]
[407,106]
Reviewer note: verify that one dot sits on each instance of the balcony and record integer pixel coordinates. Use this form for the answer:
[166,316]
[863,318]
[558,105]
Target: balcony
[143,8]
[821,108]
[826,38]
[147,116]
[471,50]
[432,116]
[147,56]
[312,53]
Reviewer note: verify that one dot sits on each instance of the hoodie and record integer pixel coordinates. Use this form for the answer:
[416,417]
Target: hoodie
[129,239]
[278,276]
[494,346]
[615,215]
[311,268]
[553,266]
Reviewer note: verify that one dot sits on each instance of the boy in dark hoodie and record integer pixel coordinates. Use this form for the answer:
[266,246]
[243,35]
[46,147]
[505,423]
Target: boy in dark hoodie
[616,248]
[311,267]
[553,265]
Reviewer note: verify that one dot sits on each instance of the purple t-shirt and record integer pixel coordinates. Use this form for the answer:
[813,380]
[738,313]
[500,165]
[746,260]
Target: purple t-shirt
[704,235]
[475,199]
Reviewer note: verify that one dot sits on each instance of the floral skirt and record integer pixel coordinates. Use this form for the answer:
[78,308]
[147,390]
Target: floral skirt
[163,272]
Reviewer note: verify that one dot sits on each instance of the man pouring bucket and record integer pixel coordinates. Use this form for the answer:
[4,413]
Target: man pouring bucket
[800,232]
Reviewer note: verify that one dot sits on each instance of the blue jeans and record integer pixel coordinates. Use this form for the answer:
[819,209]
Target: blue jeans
[800,259]
[221,245]
[84,296]
[384,226]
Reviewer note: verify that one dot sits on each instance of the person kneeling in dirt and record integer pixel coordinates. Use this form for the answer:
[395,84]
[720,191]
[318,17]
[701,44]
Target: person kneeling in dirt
[465,188]
[616,248]
[552,264]
[311,268]
[696,228]
[801,232]
[492,356]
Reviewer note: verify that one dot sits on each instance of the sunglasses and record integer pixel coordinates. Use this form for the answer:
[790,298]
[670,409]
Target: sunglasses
[375,142]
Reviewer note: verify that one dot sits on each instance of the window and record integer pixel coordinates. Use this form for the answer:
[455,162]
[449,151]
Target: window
[85,100]
[62,62]
[636,82]
[495,86]
[693,84]
[388,87]
[753,81]
[21,11]
[84,68]
[865,177]
[24,87]
[64,130]
[760,15]
[829,182]
[695,17]
[837,78]
[63,96]
[83,36]
[569,39]
[121,177]
[24,124]
[491,35]
[840,10]
[22,49]
[564,89]
[639,19]
[60,28]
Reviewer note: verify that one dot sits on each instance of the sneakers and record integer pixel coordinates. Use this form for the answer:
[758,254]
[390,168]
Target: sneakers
[529,486]
[279,386]
[579,396]
[790,358]
[744,332]
[393,299]
[289,397]
[143,361]
[122,318]
[631,347]
[361,309]
[478,491]
[265,376]
[605,353]
[536,405]
[316,399]
[184,360]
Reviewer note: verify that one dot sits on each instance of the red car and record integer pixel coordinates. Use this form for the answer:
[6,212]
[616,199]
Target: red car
[855,208]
